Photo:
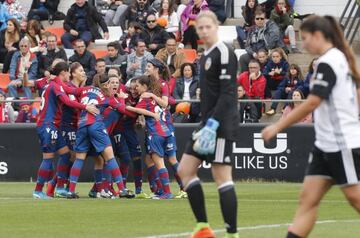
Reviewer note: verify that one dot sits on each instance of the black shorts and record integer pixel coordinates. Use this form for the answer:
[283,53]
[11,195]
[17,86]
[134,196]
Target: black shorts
[343,166]
[222,155]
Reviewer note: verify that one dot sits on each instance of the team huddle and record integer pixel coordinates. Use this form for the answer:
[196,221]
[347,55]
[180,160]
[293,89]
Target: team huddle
[99,121]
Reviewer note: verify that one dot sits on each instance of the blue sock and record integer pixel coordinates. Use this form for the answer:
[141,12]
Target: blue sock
[113,167]
[164,178]
[151,178]
[43,173]
[63,169]
[138,174]
[75,173]
[98,175]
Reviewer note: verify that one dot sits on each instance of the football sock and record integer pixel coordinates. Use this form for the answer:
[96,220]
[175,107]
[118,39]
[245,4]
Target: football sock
[62,170]
[98,180]
[43,174]
[197,200]
[138,174]
[292,235]
[115,172]
[75,173]
[164,177]
[228,203]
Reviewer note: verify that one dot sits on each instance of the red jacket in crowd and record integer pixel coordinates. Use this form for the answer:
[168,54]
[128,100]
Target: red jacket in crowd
[253,88]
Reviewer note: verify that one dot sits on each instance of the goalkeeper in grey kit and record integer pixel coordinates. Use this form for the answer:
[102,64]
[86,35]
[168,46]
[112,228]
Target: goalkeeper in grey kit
[213,141]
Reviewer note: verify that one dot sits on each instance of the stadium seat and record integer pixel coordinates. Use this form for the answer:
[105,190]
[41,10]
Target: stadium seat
[99,53]
[4,81]
[115,32]
[190,54]
[58,31]
[227,34]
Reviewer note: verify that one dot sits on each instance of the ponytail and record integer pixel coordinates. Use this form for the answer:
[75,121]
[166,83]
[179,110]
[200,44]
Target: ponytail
[333,32]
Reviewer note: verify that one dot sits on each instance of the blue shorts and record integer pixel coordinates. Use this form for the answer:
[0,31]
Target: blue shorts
[121,149]
[132,142]
[170,150]
[157,144]
[51,139]
[69,134]
[93,135]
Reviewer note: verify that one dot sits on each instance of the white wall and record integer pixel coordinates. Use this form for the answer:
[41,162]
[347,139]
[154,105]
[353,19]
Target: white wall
[320,7]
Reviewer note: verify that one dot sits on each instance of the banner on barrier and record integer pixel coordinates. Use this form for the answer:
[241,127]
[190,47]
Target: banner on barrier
[284,159]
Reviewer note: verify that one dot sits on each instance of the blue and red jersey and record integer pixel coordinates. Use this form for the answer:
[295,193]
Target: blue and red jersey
[70,115]
[52,99]
[126,122]
[153,126]
[171,101]
[111,119]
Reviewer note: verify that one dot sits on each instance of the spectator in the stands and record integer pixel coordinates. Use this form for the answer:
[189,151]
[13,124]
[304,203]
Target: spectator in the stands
[49,54]
[42,9]
[181,7]
[275,70]
[115,15]
[4,17]
[283,16]
[248,112]
[9,43]
[82,22]
[265,35]
[129,38]
[188,18]
[85,58]
[263,58]
[100,66]
[116,56]
[15,9]
[26,114]
[268,6]
[296,95]
[6,110]
[155,36]
[248,12]
[168,14]
[139,10]
[199,52]
[137,60]
[34,34]
[218,7]
[172,57]
[187,83]
[23,61]
[306,87]
[114,71]
[294,81]
[253,81]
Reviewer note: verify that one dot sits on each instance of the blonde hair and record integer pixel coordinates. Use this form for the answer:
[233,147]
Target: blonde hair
[208,14]
[280,51]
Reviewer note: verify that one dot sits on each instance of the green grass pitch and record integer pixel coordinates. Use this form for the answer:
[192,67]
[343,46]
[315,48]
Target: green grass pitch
[264,211]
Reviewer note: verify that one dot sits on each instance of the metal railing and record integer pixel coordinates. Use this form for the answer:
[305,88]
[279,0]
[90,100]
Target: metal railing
[350,19]
[180,100]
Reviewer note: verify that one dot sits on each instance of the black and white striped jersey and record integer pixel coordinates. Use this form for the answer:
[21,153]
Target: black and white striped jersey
[337,125]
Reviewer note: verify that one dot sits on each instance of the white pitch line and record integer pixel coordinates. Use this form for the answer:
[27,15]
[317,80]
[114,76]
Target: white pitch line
[247,228]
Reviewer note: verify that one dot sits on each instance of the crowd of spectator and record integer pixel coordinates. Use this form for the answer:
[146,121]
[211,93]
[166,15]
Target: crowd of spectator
[152,29]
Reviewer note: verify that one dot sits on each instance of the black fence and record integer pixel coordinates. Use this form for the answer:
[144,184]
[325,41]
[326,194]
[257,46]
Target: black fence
[284,159]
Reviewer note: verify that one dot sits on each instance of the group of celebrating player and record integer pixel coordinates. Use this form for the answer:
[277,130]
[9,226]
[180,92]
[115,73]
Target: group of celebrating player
[99,121]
